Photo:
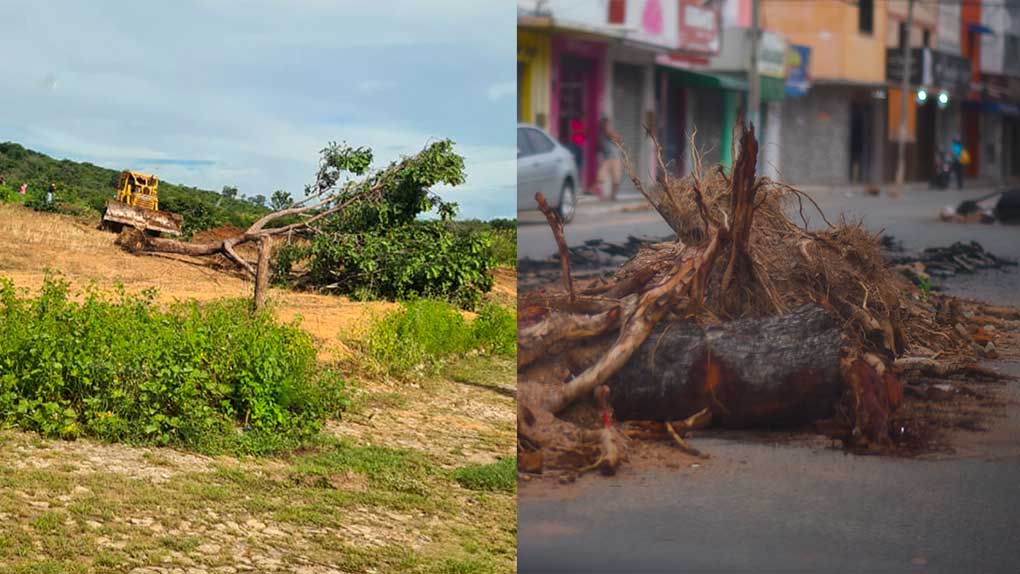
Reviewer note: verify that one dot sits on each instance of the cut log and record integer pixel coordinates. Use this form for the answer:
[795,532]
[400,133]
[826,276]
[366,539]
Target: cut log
[780,370]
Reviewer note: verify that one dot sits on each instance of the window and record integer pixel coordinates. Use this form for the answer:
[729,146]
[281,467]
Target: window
[617,11]
[539,142]
[866,16]
[523,146]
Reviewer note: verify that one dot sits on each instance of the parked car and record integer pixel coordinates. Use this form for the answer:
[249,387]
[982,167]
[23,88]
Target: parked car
[545,165]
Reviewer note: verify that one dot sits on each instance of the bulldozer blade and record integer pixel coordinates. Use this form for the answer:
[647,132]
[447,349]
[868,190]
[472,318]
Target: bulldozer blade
[142,218]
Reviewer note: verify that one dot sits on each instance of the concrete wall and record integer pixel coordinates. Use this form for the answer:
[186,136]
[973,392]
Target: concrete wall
[815,137]
[772,141]
[644,158]
[838,50]
[991,146]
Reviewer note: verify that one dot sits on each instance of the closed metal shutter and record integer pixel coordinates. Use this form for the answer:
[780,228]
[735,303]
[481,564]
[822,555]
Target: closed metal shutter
[627,86]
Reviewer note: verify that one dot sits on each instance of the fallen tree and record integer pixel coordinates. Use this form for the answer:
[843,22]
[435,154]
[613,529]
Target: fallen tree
[359,232]
[746,319]
[328,196]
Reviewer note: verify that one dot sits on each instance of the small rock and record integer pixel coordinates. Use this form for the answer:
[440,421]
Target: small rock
[254,524]
[273,531]
[209,548]
[93,524]
[38,504]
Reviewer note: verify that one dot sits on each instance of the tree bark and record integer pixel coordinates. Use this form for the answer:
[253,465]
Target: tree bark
[780,370]
[262,272]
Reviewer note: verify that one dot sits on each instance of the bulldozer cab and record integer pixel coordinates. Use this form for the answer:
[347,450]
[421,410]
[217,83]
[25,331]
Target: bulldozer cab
[138,190]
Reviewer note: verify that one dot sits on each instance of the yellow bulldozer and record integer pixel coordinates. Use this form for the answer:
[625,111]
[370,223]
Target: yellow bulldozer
[137,205]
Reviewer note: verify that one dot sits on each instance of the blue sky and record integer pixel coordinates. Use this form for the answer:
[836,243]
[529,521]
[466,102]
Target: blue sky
[244,93]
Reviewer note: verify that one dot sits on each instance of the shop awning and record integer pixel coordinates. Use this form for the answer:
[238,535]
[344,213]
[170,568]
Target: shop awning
[712,81]
[772,89]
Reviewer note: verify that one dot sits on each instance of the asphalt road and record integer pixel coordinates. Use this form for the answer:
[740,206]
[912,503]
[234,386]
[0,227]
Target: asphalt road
[758,507]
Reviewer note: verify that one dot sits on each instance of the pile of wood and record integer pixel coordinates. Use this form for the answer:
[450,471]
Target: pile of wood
[746,319]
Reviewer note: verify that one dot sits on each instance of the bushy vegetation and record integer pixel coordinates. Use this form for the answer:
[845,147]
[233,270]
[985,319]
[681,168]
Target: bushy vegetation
[498,476]
[422,334]
[84,188]
[503,238]
[384,245]
[210,377]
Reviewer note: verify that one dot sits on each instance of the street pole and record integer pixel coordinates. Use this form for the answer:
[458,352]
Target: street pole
[901,160]
[754,90]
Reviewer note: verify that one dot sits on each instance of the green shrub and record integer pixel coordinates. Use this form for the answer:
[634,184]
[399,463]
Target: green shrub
[417,336]
[503,248]
[423,333]
[499,476]
[429,259]
[209,376]
[495,330]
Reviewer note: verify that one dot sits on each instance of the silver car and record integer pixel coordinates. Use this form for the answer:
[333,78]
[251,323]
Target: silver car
[545,165]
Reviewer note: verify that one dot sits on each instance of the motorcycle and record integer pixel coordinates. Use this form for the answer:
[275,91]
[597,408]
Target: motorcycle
[943,174]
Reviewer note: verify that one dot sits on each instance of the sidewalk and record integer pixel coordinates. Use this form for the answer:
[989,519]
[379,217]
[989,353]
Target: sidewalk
[593,205]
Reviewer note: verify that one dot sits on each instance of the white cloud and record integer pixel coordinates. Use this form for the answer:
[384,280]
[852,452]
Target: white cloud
[254,94]
[502,90]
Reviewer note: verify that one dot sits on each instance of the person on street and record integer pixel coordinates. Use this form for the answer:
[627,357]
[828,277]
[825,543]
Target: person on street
[960,159]
[610,171]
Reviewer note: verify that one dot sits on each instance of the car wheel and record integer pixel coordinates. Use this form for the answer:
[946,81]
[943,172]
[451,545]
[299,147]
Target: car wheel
[568,202]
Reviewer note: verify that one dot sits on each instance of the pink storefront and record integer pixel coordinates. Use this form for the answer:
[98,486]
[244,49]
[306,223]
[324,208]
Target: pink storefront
[576,102]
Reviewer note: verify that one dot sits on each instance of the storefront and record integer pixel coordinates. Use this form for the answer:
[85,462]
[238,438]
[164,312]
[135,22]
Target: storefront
[577,85]
[533,78]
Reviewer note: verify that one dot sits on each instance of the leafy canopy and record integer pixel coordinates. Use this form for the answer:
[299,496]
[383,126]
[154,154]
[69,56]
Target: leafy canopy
[380,246]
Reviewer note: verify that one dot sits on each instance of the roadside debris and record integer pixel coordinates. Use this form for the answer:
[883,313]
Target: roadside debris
[946,261]
[1001,206]
[747,319]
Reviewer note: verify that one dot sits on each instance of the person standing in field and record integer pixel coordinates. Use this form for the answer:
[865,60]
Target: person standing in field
[610,171]
[50,192]
[24,188]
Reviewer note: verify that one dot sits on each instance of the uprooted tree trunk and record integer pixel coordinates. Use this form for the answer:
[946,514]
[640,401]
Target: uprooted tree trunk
[696,330]
[757,371]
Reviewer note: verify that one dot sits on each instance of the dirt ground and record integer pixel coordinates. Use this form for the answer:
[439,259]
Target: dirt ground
[148,510]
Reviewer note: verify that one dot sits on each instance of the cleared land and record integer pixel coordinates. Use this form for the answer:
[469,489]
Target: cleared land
[382,493]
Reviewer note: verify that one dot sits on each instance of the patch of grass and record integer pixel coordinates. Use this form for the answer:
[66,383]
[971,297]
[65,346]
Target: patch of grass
[499,476]
[211,377]
[423,334]
[48,522]
[396,470]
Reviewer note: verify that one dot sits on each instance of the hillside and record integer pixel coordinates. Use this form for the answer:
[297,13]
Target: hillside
[82,186]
